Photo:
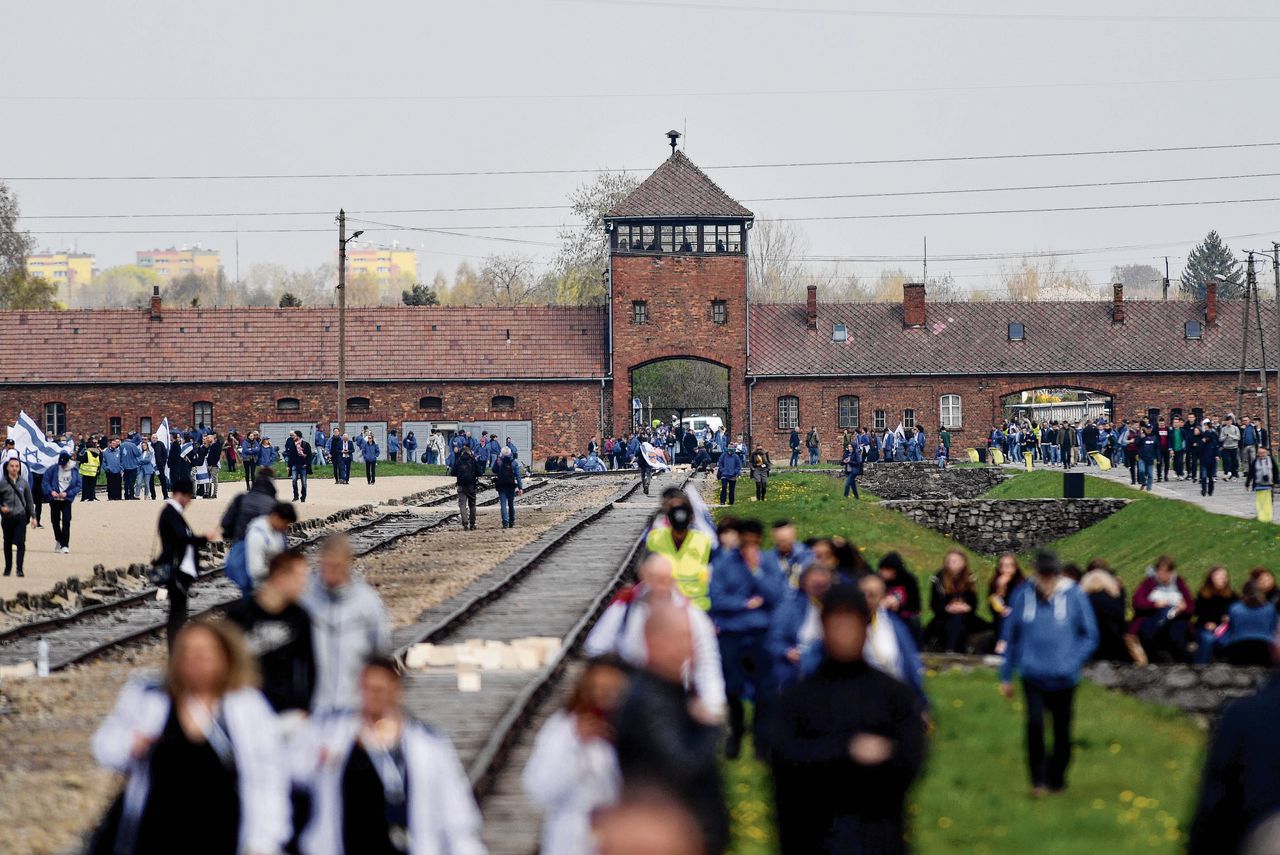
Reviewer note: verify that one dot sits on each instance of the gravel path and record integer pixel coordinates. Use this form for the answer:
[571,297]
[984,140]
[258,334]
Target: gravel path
[51,791]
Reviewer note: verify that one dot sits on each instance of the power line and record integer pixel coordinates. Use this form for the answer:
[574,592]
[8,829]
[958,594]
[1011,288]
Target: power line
[1056,210]
[936,15]
[593,171]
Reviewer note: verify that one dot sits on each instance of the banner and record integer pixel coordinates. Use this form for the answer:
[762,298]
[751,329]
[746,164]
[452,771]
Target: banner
[33,448]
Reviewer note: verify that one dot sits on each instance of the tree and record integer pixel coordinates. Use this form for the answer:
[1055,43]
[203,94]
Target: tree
[420,295]
[1140,281]
[777,273]
[15,245]
[1213,261]
[21,290]
[125,286]
[1040,279]
[289,300]
[576,275]
[507,280]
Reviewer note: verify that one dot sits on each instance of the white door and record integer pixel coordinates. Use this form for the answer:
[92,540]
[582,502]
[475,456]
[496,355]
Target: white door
[521,433]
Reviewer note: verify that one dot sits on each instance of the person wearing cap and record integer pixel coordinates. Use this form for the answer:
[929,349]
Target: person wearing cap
[1049,633]
[62,483]
[848,744]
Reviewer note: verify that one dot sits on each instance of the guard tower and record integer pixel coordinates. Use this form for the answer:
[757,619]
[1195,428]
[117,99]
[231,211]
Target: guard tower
[678,280]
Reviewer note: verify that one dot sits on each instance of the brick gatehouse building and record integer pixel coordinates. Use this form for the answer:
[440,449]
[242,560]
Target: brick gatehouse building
[554,377]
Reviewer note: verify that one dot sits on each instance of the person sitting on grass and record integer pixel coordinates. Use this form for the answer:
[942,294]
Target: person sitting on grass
[1004,581]
[1106,595]
[953,599]
[902,595]
[1049,635]
[1251,625]
[1162,608]
[1212,601]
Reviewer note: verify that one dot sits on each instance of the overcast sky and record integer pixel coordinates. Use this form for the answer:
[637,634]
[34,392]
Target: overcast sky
[162,88]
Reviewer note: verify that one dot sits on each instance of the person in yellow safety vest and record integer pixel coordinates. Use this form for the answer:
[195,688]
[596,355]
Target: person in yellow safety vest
[688,549]
[90,460]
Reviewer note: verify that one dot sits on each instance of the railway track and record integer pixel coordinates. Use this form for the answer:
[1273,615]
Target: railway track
[556,586]
[92,631]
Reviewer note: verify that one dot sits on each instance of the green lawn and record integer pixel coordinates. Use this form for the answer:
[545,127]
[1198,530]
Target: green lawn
[1151,526]
[815,503]
[385,470]
[1131,783]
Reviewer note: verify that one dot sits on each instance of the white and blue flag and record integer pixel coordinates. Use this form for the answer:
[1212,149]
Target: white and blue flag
[163,435]
[33,447]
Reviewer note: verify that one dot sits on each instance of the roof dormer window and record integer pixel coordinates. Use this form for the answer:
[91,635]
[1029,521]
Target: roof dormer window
[1194,330]
[1017,332]
[839,332]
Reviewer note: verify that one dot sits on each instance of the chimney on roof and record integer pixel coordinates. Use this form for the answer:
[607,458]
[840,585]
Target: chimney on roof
[811,312]
[1210,303]
[912,305]
[155,302]
[1117,303]
[673,136]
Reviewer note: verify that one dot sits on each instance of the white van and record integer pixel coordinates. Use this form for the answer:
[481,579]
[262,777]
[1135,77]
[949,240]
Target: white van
[702,426]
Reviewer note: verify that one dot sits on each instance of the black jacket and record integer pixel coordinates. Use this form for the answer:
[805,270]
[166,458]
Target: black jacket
[247,507]
[467,470]
[282,645]
[297,452]
[175,537]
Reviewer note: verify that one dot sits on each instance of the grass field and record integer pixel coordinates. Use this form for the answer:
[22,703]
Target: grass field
[1131,539]
[1131,783]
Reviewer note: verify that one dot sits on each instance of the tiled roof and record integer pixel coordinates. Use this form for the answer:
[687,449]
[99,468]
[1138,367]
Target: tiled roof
[266,344]
[678,188]
[972,338]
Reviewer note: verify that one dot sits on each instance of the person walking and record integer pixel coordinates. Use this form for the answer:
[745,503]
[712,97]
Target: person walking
[1148,457]
[1229,439]
[90,460]
[1048,636]
[202,735]
[145,486]
[847,728]
[852,462]
[761,465]
[130,460]
[213,461]
[1207,451]
[728,468]
[297,456]
[179,552]
[249,455]
[369,452]
[509,481]
[278,632]
[795,627]
[812,443]
[17,512]
[111,464]
[466,471]
[62,483]
[265,538]
[348,625]
[335,455]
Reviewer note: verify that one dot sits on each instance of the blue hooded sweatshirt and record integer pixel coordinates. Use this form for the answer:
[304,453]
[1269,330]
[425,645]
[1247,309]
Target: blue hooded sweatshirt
[1048,641]
[729,466]
[733,583]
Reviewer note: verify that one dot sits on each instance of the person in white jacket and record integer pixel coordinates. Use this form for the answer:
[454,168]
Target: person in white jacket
[265,538]
[204,768]
[620,630]
[348,625]
[573,771]
[382,781]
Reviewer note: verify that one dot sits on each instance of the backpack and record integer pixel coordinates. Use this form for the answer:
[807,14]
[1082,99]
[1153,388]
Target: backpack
[236,567]
[506,473]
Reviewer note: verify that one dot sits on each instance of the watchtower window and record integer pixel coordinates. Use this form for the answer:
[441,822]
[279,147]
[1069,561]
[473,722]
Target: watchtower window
[722,238]
[682,238]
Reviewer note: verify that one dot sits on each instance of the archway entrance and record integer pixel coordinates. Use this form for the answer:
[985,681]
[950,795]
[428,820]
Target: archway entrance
[692,393]
[1057,403]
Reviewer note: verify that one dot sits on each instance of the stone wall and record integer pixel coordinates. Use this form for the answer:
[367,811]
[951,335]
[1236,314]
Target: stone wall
[1010,525]
[927,481]
[1202,689]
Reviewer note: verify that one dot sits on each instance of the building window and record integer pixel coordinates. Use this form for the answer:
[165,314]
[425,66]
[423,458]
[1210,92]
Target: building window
[639,312]
[849,412]
[144,425]
[55,418]
[114,425]
[722,239]
[1017,332]
[636,238]
[288,405]
[431,402]
[908,419]
[839,332]
[502,402]
[788,412]
[202,414]
[719,312]
[879,420]
[950,411]
[679,238]
[358,404]
[1194,330]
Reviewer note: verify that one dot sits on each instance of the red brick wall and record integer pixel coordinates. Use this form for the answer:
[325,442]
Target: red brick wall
[1132,395]
[564,415]
[678,290]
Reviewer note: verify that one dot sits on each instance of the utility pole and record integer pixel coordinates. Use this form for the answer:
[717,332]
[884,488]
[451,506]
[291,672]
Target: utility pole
[1275,269]
[1244,338]
[342,321]
[1164,293]
[925,280]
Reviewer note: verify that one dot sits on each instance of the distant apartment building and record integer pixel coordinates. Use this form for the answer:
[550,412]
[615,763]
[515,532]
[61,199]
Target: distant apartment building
[385,264]
[170,263]
[62,268]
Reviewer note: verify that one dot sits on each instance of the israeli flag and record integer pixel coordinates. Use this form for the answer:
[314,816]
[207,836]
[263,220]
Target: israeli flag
[34,449]
[162,435]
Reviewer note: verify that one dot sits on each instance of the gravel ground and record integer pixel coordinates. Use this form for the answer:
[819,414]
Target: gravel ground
[51,791]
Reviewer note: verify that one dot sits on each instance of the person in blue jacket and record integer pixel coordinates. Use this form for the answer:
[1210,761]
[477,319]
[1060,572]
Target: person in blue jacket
[369,452]
[111,464]
[130,460]
[410,448]
[515,452]
[494,451]
[268,454]
[393,447]
[795,629]
[61,484]
[249,445]
[744,592]
[1049,634]
[728,469]
[890,646]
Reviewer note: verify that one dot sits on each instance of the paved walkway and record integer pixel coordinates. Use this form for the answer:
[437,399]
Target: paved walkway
[1229,498]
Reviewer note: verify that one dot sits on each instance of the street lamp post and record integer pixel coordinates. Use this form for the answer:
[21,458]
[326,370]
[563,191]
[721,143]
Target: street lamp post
[343,240]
